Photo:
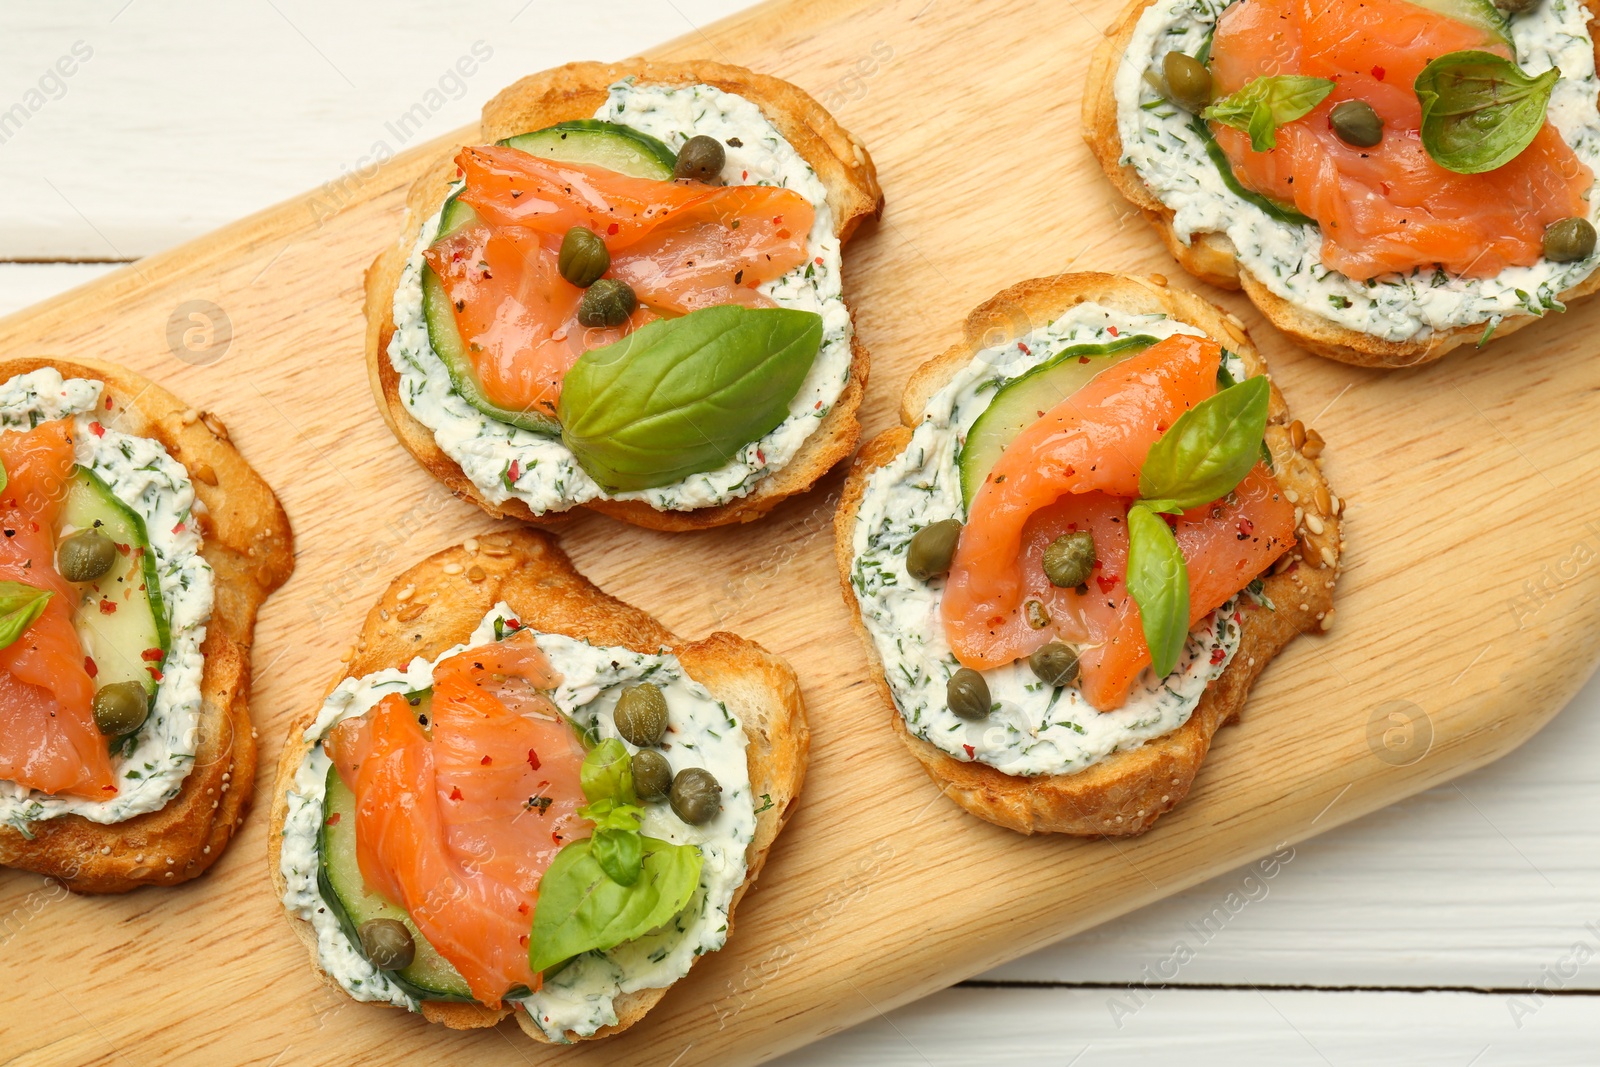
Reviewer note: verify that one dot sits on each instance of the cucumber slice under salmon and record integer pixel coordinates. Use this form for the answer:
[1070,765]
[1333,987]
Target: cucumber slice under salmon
[1480,13]
[430,976]
[1019,402]
[120,617]
[605,144]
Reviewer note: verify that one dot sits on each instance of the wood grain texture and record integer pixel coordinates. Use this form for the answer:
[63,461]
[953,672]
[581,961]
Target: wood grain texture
[1463,481]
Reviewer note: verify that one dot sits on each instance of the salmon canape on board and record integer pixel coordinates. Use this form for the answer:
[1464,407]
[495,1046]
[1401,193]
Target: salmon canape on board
[629,297]
[524,797]
[1386,179]
[1096,526]
[137,547]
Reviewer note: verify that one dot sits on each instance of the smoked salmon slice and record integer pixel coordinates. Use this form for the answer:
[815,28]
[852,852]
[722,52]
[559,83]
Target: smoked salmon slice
[1077,469]
[681,246]
[458,828]
[48,739]
[1389,207]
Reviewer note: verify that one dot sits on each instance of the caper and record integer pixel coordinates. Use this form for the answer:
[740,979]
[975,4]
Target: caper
[652,777]
[607,302]
[1355,123]
[1070,559]
[967,694]
[583,257]
[85,555]
[1516,7]
[387,943]
[1188,81]
[700,159]
[932,548]
[120,708]
[1055,664]
[696,796]
[641,714]
[1037,614]
[1568,240]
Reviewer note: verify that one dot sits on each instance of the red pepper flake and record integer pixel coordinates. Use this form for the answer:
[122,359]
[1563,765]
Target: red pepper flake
[818,261]
[744,175]
[522,909]
[514,624]
[1025,349]
[154,673]
[150,655]
[1246,528]
[89,668]
[1112,330]
[1083,359]
[761,457]
[1378,72]
[124,549]
[179,528]
[108,607]
[96,429]
[486,761]
[108,403]
[783,235]
[455,792]
[1217,656]
[533,759]
[333,820]
[970,752]
[777,220]
[1106,582]
[611,231]
[515,472]
[522,939]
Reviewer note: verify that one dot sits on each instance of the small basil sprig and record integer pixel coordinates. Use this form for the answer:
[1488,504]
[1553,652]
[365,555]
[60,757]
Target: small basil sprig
[681,396]
[1205,454]
[20,605]
[1479,110]
[607,780]
[1266,103]
[616,884]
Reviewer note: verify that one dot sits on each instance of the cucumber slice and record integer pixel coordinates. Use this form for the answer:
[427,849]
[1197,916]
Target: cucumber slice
[1019,402]
[455,214]
[430,976]
[446,341]
[1219,159]
[1479,13]
[122,641]
[604,144]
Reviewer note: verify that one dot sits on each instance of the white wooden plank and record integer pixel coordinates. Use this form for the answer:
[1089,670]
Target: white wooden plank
[1486,882]
[1217,1028]
[22,284]
[179,116]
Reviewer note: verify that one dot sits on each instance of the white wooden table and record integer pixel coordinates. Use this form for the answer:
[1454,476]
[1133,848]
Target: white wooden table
[1460,927]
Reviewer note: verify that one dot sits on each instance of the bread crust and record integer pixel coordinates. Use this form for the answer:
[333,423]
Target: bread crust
[527,569]
[1126,792]
[1212,258]
[576,91]
[250,548]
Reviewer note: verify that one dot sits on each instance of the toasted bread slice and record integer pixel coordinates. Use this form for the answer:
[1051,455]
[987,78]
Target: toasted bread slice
[1212,258]
[251,551]
[577,91]
[527,570]
[1125,792]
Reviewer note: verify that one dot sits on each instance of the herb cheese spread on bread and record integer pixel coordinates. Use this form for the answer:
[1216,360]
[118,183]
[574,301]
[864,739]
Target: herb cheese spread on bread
[1341,201]
[536,441]
[1035,728]
[102,689]
[591,968]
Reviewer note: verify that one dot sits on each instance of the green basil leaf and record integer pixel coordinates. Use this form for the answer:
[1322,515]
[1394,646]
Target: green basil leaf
[620,854]
[682,396]
[1479,111]
[607,773]
[582,909]
[1208,450]
[1158,578]
[1266,103]
[20,605]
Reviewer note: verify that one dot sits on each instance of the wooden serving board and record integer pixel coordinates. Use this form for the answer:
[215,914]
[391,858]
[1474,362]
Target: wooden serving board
[1466,617]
